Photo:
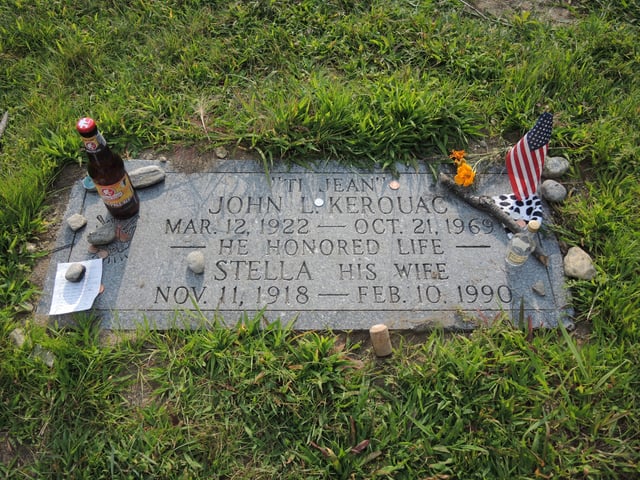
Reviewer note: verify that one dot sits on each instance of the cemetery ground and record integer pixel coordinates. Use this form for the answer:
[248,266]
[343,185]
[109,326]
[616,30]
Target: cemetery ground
[367,84]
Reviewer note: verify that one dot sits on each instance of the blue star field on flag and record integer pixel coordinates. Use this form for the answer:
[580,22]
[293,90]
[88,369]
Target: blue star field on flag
[540,134]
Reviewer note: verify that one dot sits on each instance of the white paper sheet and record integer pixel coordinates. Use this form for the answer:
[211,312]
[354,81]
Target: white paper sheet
[76,296]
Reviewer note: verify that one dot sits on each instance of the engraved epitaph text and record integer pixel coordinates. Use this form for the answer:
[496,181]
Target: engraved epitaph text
[328,250]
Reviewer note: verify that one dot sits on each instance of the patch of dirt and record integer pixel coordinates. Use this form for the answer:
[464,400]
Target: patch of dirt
[544,10]
[10,451]
[192,159]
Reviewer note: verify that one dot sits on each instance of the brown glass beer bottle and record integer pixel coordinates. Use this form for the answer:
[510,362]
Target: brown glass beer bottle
[106,169]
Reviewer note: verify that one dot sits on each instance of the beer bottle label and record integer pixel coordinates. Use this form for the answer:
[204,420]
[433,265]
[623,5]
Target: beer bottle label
[118,194]
[92,144]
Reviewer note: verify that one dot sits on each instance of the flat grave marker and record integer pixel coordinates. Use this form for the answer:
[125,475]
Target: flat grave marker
[329,248]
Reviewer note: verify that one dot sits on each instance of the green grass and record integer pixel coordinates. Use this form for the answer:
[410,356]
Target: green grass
[367,84]
[253,402]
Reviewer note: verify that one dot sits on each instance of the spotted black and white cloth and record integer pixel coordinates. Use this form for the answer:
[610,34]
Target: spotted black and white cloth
[527,209]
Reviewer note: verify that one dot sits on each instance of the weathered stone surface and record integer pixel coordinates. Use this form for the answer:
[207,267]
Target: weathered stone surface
[326,249]
[75,272]
[553,191]
[76,221]
[102,235]
[578,264]
[144,177]
[196,262]
[555,167]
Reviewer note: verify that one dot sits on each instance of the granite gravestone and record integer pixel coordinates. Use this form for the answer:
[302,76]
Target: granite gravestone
[328,248]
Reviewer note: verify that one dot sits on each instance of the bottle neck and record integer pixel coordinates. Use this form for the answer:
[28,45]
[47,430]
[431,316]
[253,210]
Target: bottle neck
[94,142]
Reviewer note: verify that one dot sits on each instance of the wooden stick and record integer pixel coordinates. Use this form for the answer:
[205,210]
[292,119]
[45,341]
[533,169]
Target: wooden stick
[487,205]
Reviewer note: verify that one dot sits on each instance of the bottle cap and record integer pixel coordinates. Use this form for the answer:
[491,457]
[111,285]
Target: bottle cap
[533,226]
[86,125]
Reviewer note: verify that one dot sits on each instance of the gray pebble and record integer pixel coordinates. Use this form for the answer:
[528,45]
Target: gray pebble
[538,288]
[76,222]
[103,235]
[195,262]
[555,167]
[553,191]
[146,176]
[75,272]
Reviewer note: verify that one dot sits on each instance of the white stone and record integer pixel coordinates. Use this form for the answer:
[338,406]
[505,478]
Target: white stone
[578,264]
[555,167]
[221,152]
[553,191]
[76,221]
[144,177]
[75,272]
[195,262]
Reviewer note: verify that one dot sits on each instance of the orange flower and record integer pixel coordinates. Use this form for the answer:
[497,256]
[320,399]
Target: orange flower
[457,156]
[465,174]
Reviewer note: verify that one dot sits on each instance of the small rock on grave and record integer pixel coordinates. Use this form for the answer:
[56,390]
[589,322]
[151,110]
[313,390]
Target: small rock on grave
[75,272]
[578,264]
[146,176]
[538,288]
[553,191]
[103,235]
[76,222]
[555,167]
[221,152]
[195,262]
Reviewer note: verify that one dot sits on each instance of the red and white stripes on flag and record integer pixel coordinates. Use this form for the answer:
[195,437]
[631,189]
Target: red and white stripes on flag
[526,159]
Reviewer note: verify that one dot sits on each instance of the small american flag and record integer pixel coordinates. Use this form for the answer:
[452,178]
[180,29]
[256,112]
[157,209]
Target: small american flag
[526,159]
